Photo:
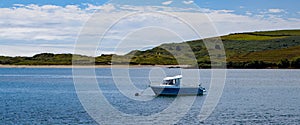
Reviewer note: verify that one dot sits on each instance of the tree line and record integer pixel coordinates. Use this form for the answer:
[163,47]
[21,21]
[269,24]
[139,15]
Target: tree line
[66,59]
[283,64]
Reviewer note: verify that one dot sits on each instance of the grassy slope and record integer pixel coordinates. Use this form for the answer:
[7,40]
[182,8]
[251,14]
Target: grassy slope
[270,55]
[262,46]
[270,46]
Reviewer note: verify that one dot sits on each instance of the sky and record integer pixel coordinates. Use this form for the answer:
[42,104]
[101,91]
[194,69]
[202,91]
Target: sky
[29,27]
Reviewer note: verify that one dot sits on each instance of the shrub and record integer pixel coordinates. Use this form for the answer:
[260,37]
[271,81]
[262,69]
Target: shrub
[296,63]
[284,63]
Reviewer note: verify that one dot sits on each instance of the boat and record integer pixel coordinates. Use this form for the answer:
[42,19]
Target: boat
[171,87]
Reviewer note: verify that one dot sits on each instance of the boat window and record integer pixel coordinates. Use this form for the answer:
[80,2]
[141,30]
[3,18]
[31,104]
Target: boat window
[168,82]
[171,82]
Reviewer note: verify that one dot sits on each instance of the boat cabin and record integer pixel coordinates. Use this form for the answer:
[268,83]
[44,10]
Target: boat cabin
[175,80]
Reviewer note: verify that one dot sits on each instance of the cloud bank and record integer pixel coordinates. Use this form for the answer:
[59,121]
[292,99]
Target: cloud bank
[30,29]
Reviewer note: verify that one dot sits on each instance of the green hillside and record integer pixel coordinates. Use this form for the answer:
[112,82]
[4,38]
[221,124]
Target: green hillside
[269,49]
[45,59]
[270,55]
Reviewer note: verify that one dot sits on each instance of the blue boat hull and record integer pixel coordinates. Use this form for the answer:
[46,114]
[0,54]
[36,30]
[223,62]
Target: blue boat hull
[174,91]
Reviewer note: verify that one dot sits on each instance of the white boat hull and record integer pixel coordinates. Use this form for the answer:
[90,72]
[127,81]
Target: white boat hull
[175,90]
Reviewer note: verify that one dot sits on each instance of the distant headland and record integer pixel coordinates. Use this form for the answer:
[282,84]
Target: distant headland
[251,50]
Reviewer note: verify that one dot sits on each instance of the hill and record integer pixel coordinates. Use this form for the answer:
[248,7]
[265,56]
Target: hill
[267,49]
[276,55]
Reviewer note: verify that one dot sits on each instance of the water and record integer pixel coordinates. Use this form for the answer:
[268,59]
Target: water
[48,96]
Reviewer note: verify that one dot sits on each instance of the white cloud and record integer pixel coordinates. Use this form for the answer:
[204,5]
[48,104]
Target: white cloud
[188,2]
[249,13]
[224,11]
[48,22]
[93,7]
[18,5]
[108,8]
[55,23]
[276,10]
[167,3]
[50,7]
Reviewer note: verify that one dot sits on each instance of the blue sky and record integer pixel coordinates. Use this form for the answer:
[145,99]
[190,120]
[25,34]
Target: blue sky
[29,27]
[255,6]
[240,6]
[9,3]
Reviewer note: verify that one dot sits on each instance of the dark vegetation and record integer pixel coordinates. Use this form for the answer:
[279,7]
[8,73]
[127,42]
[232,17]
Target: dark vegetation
[255,50]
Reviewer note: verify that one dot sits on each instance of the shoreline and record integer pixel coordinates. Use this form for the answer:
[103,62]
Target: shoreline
[117,66]
[93,66]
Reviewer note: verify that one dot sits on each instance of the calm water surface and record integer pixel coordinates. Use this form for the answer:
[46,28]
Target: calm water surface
[48,96]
